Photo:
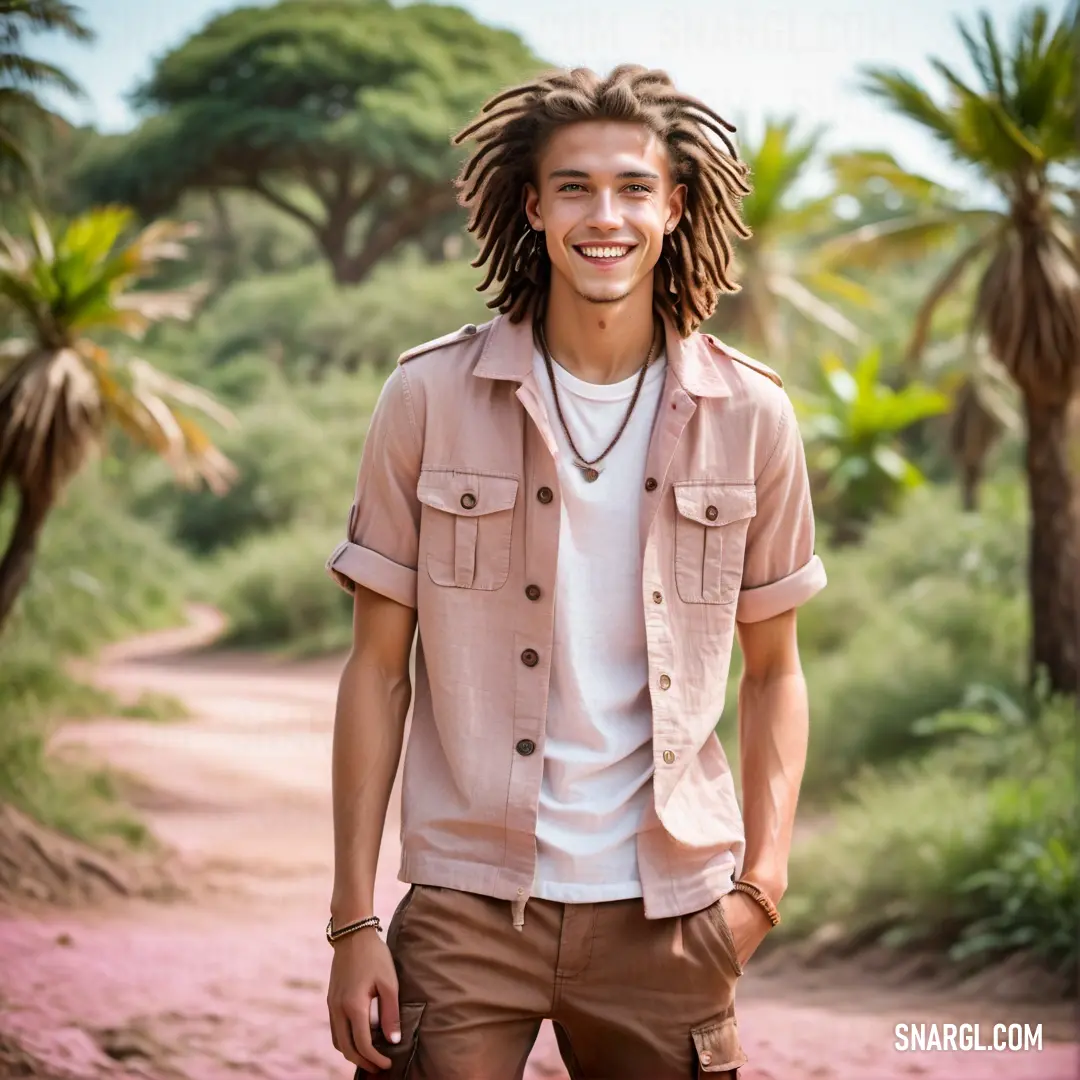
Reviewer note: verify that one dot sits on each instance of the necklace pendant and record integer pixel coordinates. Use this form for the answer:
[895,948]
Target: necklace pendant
[588,471]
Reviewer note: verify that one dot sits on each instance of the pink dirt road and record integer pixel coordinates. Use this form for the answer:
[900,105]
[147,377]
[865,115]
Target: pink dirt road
[231,982]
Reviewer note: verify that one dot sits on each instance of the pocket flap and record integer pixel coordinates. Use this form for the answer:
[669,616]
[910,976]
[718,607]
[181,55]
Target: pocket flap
[715,504]
[468,494]
[718,1047]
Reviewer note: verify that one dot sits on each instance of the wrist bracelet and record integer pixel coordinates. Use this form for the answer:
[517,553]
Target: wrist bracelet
[333,935]
[759,897]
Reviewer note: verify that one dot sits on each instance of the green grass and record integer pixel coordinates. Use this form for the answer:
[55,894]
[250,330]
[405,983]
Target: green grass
[153,705]
[100,575]
[74,799]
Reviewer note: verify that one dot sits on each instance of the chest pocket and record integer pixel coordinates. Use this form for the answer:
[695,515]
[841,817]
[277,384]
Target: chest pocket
[711,520]
[465,527]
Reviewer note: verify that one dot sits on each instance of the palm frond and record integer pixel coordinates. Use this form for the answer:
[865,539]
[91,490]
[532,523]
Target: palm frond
[39,15]
[20,71]
[843,288]
[985,55]
[907,97]
[855,169]
[58,392]
[901,239]
[813,307]
[941,288]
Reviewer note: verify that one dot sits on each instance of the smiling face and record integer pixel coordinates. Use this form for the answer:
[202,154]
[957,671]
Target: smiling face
[604,199]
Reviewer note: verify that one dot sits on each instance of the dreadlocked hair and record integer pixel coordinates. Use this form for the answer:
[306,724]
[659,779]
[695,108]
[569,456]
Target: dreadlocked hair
[511,131]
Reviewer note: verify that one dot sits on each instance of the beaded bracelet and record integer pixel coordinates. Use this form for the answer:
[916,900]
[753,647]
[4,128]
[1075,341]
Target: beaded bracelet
[760,899]
[333,935]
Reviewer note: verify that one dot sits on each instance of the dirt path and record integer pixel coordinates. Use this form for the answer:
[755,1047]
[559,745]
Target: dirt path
[231,982]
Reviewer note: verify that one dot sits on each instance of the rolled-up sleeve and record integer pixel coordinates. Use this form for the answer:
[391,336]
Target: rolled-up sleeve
[781,570]
[379,550]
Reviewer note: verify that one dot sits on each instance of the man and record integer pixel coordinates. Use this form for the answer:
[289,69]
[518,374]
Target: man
[578,504]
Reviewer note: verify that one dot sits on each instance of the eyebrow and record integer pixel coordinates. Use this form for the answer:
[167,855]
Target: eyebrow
[630,174]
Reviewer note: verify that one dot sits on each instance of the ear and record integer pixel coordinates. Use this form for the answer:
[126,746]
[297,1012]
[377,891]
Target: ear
[532,207]
[676,205]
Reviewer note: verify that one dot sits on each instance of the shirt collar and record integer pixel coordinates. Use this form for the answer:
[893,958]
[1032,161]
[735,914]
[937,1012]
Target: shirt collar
[698,362]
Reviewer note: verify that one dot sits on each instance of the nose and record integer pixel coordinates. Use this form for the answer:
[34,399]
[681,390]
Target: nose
[604,211]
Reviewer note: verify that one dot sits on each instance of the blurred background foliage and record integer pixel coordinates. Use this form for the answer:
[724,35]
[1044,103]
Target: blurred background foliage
[941,781]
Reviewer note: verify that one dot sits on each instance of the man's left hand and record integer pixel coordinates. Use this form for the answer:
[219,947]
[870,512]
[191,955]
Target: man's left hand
[748,922]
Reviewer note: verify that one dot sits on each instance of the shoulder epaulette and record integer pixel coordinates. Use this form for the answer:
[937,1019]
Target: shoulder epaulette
[746,361]
[467,331]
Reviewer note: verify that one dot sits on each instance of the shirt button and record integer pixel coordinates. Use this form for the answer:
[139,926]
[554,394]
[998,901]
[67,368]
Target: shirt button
[650,484]
[706,1058]
[669,759]
[711,513]
[530,658]
[665,681]
[532,592]
[469,328]
[526,747]
[657,597]
[544,495]
[468,500]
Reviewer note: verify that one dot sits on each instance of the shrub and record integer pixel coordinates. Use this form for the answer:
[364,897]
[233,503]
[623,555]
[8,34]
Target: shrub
[973,849]
[304,324]
[275,591]
[297,451]
[932,602]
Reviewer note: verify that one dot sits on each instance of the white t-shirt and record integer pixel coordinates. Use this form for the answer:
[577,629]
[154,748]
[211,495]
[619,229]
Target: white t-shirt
[597,749]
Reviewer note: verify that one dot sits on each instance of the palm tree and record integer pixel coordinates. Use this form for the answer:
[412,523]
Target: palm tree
[1017,132]
[21,76]
[61,391]
[777,267]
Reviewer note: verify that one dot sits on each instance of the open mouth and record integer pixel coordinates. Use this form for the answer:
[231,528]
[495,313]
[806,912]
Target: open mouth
[604,254]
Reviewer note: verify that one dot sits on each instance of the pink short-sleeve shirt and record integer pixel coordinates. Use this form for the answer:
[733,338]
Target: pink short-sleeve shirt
[456,513]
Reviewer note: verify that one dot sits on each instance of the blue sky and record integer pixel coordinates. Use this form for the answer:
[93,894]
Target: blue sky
[747,59]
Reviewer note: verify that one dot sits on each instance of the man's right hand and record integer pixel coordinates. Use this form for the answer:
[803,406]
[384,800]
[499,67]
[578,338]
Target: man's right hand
[362,971]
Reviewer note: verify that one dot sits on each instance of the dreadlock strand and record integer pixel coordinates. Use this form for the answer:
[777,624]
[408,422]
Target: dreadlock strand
[489,121]
[470,166]
[509,133]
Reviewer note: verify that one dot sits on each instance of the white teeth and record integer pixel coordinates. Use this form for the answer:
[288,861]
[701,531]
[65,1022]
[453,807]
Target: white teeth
[604,252]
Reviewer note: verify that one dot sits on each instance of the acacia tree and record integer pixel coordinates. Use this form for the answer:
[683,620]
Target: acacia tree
[337,112]
[1017,132]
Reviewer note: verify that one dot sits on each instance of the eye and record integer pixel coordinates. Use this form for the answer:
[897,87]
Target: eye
[572,184]
[639,189]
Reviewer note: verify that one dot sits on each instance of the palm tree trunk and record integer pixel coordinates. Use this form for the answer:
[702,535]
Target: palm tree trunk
[970,479]
[19,557]
[1054,553]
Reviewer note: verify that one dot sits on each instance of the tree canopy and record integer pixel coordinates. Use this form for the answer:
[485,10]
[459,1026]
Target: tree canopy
[337,112]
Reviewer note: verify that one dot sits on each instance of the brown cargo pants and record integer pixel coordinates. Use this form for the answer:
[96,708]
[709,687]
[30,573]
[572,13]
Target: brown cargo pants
[629,998]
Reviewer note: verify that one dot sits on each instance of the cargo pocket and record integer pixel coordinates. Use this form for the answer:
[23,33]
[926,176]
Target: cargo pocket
[711,521]
[466,524]
[718,1048]
[401,1055]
